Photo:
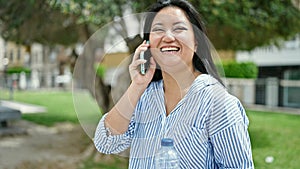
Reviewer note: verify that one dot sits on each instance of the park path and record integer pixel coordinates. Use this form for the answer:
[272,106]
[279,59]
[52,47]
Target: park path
[57,147]
[24,108]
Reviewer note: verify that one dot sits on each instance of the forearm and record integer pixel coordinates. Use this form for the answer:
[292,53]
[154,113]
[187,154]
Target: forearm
[118,118]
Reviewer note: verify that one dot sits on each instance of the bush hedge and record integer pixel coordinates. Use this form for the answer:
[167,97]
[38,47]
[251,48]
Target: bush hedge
[100,70]
[234,69]
[12,70]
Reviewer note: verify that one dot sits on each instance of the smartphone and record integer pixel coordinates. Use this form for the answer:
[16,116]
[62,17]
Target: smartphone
[144,55]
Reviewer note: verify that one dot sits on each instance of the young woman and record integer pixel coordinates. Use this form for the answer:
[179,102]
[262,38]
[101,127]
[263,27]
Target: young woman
[180,97]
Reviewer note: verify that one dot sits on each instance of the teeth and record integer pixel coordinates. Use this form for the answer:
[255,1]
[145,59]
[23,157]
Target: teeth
[169,49]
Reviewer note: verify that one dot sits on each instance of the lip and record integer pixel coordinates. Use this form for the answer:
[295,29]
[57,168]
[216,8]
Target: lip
[169,49]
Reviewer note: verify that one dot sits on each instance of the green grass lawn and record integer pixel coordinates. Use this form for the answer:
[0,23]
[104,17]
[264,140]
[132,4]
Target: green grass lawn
[276,135]
[272,134]
[59,106]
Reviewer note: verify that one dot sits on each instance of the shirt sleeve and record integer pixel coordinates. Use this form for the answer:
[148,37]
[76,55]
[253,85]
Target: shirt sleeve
[232,148]
[112,144]
[228,133]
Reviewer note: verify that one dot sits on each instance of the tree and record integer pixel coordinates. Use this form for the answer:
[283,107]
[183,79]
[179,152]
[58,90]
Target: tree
[232,24]
[95,15]
[28,21]
[244,24]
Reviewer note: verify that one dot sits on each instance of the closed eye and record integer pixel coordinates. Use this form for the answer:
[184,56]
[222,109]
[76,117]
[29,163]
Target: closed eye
[180,29]
[158,30]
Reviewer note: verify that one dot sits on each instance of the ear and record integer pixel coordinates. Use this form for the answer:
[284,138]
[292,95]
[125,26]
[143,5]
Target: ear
[196,46]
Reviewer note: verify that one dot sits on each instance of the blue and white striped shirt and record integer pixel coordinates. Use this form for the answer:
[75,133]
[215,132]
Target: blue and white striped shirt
[209,127]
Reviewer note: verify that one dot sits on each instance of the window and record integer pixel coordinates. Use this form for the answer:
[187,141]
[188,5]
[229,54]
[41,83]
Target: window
[291,89]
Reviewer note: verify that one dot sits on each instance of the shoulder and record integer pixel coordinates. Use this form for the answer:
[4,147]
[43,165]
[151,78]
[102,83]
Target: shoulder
[205,80]
[207,86]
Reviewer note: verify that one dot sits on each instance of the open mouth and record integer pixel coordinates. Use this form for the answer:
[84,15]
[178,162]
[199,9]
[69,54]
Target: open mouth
[170,49]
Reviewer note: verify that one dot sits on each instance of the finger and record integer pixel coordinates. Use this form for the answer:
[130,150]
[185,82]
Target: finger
[134,65]
[138,62]
[142,48]
[138,51]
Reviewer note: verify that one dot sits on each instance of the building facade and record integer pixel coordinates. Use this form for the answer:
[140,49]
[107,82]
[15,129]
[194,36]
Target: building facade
[42,61]
[278,82]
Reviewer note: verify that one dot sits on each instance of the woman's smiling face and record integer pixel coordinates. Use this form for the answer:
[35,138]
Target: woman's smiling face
[172,39]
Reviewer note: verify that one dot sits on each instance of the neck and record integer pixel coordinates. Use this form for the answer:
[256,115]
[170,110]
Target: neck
[181,81]
[176,86]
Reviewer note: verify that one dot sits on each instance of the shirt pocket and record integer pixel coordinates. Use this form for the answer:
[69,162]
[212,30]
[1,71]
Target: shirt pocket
[194,137]
[193,148]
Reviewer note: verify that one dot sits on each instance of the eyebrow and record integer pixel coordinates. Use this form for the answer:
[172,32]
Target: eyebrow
[179,22]
[157,24]
[176,23]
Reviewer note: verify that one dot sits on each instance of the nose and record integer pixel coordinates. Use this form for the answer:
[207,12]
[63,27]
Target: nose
[168,36]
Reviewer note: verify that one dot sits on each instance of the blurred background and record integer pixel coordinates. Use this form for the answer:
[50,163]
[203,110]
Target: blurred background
[63,63]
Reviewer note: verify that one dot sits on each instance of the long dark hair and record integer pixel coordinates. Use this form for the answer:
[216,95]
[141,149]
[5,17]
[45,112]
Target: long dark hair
[202,58]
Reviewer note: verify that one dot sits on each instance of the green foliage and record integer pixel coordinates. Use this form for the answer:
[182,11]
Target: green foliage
[98,12]
[100,70]
[232,24]
[29,21]
[244,24]
[12,70]
[240,70]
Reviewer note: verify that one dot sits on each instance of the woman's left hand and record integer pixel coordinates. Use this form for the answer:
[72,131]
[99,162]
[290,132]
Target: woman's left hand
[134,67]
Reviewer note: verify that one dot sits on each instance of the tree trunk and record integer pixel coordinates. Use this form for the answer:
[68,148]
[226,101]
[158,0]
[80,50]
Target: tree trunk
[85,72]
[123,80]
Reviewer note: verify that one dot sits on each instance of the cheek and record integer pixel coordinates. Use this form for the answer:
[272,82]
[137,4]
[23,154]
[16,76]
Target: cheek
[154,40]
[187,41]
[155,53]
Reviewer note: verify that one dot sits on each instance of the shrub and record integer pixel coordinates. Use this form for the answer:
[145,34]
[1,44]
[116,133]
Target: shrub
[12,70]
[234,69]
[100,70]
